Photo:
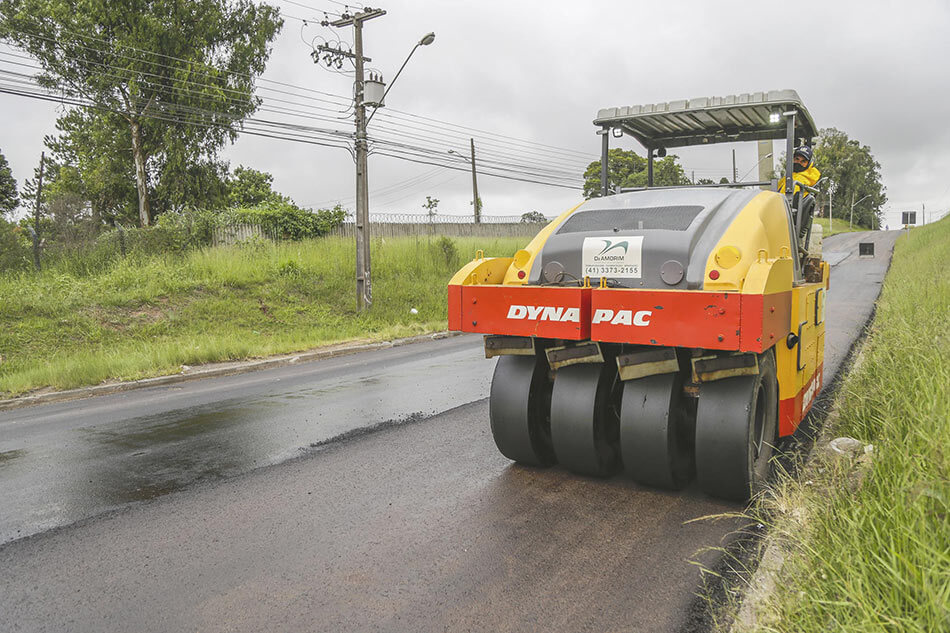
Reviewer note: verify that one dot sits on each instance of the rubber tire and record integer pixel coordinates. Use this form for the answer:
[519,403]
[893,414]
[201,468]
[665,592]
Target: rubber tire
[518,409]
[584,426]
[728,464]
[654,441]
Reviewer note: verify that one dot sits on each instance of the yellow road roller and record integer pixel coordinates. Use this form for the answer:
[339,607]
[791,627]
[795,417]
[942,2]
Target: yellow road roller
[665,332]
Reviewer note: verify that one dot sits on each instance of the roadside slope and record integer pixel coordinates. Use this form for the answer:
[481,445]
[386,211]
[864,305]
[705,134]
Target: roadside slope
[149,315]
[870,551]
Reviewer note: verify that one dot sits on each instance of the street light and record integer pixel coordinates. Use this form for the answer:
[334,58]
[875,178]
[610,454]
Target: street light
[759,162]
[851,219]
[427,39]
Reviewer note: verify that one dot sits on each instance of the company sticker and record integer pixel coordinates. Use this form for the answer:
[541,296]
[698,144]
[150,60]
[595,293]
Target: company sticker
[616,256]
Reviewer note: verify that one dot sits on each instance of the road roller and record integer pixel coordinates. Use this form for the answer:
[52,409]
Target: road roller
[665,333]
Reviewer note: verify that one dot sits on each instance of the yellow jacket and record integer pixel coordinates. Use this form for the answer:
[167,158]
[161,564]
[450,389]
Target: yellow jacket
[807,177]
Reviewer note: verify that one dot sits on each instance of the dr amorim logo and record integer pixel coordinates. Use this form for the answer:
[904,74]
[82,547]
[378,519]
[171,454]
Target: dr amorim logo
[606,256]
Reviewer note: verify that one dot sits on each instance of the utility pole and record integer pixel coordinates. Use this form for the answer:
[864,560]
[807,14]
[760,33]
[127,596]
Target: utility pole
[364,286]
[36,214]
[475,202]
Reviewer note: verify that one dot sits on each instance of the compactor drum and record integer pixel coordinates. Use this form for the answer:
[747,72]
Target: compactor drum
[664,332]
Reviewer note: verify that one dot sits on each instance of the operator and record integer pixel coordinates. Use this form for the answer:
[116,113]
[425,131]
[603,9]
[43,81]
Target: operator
[804,169]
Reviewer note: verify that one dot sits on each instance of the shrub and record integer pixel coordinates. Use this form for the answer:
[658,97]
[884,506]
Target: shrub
[15,247]
[287,221]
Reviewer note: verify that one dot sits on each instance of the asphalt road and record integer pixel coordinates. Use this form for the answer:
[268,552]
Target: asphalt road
[418,526]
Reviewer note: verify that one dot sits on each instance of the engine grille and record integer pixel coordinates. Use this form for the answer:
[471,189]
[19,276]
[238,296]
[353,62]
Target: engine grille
[673,218]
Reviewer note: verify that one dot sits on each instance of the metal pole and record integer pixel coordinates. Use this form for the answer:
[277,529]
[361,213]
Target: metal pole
[36,215]
[851,219]
[650,167]
[765,168]
[475,203]
[364,288]
[789,155]
[831,203]
[604,154]
[735,174]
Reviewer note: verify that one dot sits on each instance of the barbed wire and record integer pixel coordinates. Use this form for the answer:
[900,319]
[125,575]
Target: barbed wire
[438,218]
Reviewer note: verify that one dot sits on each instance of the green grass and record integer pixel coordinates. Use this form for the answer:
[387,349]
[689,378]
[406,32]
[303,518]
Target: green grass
[836,225]
[876,556]
[147,316]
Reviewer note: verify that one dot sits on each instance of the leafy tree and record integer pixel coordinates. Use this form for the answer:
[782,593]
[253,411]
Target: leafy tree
[533,216]
[431,205]
[626,168]
[850,170]
[91,158]
[249,187]
[175,75]
[854,173]
[8,193]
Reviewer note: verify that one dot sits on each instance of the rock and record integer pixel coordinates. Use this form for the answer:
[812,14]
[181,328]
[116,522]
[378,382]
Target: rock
[846,446]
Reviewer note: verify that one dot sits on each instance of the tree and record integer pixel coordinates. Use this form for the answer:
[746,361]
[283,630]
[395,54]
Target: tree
[249,188]
[8,193]
[626,168]
[176,75]
[533,216]
[855,174]
[850,169]
[431,205]
[91,158]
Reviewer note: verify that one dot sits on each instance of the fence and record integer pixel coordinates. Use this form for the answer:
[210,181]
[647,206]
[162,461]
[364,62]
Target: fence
[394,229]
[437,218]
[234,233]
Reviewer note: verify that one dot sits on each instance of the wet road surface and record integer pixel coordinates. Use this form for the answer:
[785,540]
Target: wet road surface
[63,462]
[422,526]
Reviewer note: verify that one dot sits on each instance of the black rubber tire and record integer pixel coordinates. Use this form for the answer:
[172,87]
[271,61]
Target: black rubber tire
[584,422]
[736,431]
[655,441]
[518,409]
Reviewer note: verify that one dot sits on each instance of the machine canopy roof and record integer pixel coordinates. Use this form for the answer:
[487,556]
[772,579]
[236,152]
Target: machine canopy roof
[707,120]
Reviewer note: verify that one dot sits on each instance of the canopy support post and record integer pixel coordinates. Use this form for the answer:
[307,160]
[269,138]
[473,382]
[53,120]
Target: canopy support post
[650,167]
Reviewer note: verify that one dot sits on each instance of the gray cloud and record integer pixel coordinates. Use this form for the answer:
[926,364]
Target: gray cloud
[541,70]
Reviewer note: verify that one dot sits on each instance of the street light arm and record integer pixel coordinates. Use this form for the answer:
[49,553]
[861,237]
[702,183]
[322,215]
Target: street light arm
[425,41]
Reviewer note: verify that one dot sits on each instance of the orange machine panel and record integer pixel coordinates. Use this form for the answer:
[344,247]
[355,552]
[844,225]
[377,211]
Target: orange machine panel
[562,313]
[663,317]
[765,320]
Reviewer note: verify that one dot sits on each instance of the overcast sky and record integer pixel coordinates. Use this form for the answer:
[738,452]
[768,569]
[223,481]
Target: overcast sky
[539,71]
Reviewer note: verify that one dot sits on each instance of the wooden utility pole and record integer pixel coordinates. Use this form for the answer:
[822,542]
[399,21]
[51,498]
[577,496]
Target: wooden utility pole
[364,285]
[476,204]
[36,214]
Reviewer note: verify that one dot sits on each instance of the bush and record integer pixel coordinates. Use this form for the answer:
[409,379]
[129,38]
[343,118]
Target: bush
[287,221]
[15,247]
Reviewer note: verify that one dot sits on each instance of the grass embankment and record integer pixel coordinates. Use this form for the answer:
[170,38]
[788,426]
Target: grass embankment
[876,556]
[836,225]
[147,316]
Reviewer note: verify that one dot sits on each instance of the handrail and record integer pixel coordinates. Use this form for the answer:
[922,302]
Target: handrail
[759,183]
